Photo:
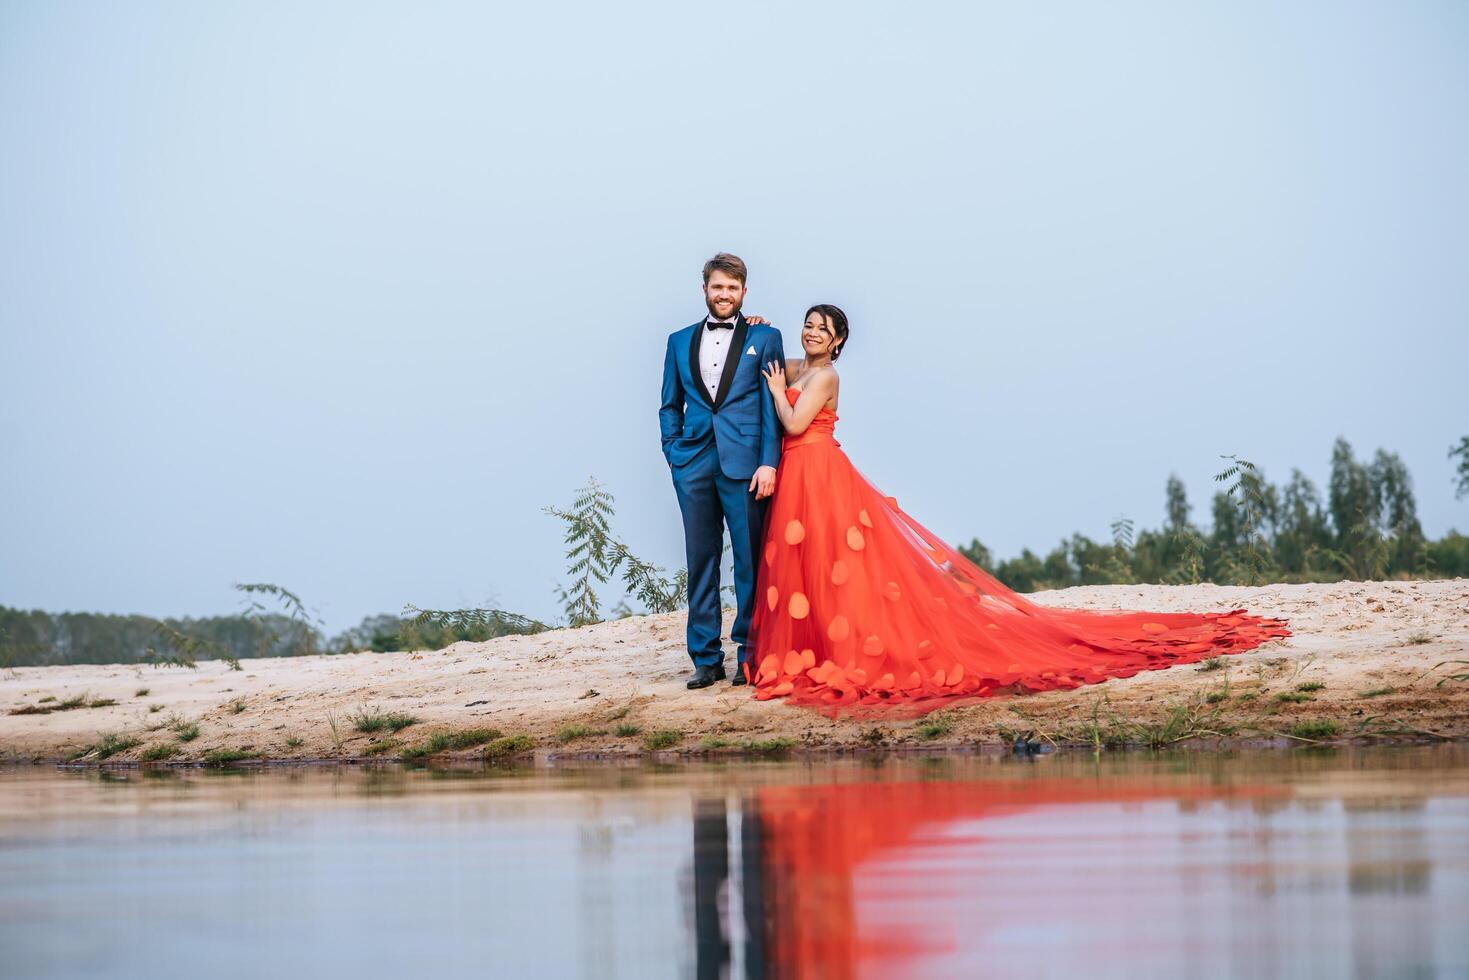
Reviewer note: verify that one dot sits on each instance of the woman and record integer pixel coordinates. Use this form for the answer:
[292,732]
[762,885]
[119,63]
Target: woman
[859,604]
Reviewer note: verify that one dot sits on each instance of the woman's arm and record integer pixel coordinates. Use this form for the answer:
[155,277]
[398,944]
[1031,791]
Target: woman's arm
[818,392]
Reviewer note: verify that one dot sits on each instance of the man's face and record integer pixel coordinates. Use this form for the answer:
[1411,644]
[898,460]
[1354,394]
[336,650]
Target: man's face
[723,294]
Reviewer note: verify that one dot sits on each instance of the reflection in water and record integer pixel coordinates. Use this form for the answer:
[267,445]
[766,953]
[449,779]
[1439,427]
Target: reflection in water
[711,875]
[924,876]
[1268,863]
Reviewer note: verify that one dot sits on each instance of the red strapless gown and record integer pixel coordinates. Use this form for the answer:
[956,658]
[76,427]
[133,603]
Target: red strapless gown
[859,604]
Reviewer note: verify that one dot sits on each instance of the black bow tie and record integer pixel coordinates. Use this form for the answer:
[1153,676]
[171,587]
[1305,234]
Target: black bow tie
[715,325]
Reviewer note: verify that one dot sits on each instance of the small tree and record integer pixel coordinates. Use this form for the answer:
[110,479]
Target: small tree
[1461,487]
[1251,558]
[595,556]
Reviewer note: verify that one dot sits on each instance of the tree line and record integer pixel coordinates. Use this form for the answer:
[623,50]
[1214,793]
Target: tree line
[1364,526]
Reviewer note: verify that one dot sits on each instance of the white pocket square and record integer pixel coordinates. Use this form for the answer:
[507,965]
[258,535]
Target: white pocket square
[751,351]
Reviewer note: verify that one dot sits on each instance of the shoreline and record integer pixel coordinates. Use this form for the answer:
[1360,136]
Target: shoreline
[544,758]
[1359,668]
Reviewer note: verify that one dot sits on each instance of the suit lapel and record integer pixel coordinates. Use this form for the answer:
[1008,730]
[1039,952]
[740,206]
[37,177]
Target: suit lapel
[695,375]
[732,360]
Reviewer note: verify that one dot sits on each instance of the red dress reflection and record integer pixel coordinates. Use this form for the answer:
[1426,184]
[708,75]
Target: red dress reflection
[816,841]
[859,604]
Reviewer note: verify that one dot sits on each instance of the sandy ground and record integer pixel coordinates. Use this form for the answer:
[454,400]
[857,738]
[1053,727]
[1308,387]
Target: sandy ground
[1350,637]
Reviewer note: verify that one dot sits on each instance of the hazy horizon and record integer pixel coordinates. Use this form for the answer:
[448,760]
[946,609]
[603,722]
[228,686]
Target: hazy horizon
[340,296]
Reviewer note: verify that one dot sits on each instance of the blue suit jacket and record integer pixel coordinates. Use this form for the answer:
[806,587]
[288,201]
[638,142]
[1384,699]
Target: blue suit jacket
[740,420]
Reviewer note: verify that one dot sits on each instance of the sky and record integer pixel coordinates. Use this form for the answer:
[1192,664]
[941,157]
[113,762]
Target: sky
[341,295]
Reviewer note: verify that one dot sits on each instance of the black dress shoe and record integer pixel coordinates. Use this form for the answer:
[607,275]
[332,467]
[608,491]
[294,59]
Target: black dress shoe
[739,678]
[704,676]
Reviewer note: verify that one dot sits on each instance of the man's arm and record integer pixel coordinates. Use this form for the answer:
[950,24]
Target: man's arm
[670,413]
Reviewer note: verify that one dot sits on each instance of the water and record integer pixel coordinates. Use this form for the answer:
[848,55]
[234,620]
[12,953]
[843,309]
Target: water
[1329,863]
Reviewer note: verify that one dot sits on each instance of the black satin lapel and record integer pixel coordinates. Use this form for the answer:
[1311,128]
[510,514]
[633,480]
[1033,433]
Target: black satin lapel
[732,360]
[694,374]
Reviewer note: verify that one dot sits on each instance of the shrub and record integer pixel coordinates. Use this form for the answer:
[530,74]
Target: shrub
[653,741]
[770,746]
[573,732]
[1318,728]
[934,727]
[509,745]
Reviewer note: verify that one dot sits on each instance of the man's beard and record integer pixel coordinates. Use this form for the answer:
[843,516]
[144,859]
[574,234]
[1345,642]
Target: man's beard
[722,316]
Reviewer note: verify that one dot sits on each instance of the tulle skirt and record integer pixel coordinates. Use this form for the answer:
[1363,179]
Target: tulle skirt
[860,605]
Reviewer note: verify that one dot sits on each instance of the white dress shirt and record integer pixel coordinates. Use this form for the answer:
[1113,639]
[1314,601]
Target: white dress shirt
[713,349]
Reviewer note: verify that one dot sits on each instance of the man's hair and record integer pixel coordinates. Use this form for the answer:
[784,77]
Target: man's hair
[730,265]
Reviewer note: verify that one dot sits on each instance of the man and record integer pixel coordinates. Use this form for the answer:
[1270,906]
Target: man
[721,437]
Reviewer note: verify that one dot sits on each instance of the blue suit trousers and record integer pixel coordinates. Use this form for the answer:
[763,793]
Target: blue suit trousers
[709,500]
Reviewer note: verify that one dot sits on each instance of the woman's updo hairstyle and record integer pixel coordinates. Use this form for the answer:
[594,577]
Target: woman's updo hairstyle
[835,319]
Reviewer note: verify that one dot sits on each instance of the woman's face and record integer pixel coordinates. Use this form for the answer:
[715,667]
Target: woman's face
[817,337]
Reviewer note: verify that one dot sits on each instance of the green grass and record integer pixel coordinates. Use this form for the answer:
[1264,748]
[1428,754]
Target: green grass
[1310,686]
[573,732]
[1293,697]
[470,737]
[1377,692]
[874,736]
[1319,728]
[75,701]
[628,730]
[1181,722]
[294,742]
[446,741]
[224,757]
[159,752]
[376,720]
[437,742]
[715,742]
[1248,696]
[770,746]
[186,731]
[141,692]
[381,746]
[108,745]
[237,707]
[154,708]
[1176,724]
[509,745]
[932,728]
[1215,697]
[1213,663]
[665,739]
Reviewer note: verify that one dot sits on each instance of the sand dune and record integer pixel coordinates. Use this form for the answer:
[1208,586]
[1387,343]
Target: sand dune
[1351,637]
